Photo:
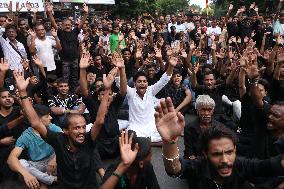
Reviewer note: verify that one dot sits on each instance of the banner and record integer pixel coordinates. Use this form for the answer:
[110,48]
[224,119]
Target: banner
[4,4]
[105,2]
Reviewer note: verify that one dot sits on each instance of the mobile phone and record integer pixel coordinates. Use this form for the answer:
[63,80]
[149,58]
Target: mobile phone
[193,59]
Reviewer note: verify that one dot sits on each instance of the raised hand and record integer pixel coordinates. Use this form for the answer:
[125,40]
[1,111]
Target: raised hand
[85,61]
[85,8]
[54,32]
[35,10]
[49,7]
[21,82]
[32,33]
[192,46]
[231,6]
[28,6]
[18,8]
[252,71]
[118,60]
[120,37]
[125,145]
[213,46]
[183,53]
[173,61]
[37,60]
[169,123]
[109,79]
[4,65]
[25,64]
[138,53]
[158,52]
[10,7]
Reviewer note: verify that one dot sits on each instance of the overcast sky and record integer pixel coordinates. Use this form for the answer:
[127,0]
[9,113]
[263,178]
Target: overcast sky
[201,3]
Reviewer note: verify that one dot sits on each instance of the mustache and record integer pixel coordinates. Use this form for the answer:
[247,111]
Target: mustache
[224,165]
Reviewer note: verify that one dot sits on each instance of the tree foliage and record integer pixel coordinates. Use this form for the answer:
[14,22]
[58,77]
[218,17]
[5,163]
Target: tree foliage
[130,8]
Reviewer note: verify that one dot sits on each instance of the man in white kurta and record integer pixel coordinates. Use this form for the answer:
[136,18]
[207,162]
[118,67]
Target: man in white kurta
[141,101]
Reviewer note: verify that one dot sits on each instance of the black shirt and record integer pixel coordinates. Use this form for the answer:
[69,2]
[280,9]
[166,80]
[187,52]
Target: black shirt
[146,178]
[70,44]
[107,139]
[16,131]
[192,132]
[277,90]
[201,174]
[130,68]
[75,170]
[233,30]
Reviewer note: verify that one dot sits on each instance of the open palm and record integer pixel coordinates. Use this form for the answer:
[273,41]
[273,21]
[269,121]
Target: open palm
[84,62]
[127,154]
[169,123]
[21,82]
[109,79]
[4,65]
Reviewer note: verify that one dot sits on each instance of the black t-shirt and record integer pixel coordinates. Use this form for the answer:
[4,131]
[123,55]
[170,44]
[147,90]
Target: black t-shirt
[107,139]
[233,29]
[130,68]
[16,131]
[75,170]
[70,44]
[277,90]
[146,178]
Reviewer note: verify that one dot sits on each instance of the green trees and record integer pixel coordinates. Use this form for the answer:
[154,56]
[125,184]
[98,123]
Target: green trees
[130,8]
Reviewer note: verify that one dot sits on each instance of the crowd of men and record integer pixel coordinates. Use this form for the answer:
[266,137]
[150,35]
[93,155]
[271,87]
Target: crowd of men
[76,92]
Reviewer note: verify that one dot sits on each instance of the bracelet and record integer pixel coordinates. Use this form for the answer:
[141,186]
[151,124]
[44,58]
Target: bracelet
[171,159]
[116,174]
[253,82]
[121,181]
[24,97]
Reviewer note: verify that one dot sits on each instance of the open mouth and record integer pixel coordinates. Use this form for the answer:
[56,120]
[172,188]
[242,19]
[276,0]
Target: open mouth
[81,138]
[225,171]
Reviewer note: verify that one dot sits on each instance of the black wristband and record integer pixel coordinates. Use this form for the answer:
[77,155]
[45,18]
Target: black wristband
[24,97]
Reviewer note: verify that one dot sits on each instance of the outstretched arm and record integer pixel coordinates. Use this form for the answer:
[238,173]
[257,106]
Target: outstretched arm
[84,64]
[127,157]
[49,10]
[169,124]
[103,108]
[32,116]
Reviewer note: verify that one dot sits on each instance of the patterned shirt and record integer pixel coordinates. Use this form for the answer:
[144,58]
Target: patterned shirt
[70,102]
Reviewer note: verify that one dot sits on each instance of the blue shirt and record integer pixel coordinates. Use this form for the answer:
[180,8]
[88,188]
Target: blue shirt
[37,149]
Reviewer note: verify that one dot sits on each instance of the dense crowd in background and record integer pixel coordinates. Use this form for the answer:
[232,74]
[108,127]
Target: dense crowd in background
[76,92]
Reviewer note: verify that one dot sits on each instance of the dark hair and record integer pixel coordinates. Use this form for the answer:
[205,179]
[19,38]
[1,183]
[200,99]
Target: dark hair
[41,110]
[265,84]
[279,103]
[66,121]
[176,71]
[209,73]
[115,25]
[51,78]
[217,132]
[138,74]
[125,50]
[61,80]
[38,24]
[2,89]
[143,143]
[102,88]
[10,26]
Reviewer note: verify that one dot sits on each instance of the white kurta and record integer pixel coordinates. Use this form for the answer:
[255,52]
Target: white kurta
[141,111]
